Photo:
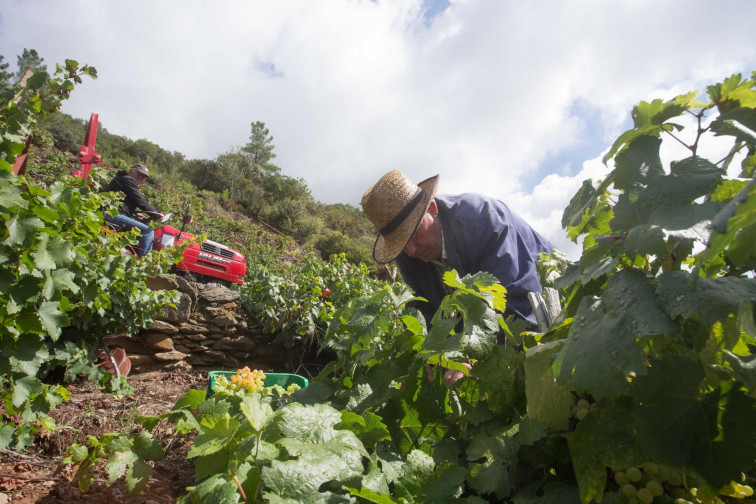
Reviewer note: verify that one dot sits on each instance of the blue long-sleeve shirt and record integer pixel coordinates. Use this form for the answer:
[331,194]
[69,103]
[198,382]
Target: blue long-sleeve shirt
[481,234]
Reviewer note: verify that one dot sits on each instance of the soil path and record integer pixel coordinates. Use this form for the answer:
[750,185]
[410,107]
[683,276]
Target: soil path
[31,477]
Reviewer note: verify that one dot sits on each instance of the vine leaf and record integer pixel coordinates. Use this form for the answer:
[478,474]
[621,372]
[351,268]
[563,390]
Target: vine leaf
[600,335]
[603,438]
[548,401]
[709,299]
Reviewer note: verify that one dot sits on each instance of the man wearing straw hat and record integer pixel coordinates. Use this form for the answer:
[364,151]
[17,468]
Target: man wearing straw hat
[428,234]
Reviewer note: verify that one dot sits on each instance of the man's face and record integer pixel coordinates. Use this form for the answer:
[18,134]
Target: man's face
[426,244]
[140,178]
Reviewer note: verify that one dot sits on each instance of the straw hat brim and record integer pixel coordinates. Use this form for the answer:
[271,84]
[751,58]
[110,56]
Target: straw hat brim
[386,248]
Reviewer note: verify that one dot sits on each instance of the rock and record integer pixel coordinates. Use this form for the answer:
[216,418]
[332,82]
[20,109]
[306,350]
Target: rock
[182,349]
[126,342]
[140,360]
[158,340]
[170,356]
[232,307]
[224,321]
[187,287]
[190,328]
[196,337]
[164,327]
[216,335]
[219,295]
[161,282]
[177,365]
[180,313]
[234,344]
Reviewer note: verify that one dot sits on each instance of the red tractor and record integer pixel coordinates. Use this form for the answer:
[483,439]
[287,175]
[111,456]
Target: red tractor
[206,260]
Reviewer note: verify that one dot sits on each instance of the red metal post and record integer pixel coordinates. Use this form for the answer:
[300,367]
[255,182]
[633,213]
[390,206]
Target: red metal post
[87,155]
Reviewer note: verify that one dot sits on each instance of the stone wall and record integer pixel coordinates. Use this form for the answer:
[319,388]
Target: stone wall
[208,328]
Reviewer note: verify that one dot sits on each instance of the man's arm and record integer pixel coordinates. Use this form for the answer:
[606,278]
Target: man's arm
[131,190]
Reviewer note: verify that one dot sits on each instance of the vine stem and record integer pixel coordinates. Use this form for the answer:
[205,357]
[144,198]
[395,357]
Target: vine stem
[241,490]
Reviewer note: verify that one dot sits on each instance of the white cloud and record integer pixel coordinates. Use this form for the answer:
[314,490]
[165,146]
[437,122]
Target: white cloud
[484,95]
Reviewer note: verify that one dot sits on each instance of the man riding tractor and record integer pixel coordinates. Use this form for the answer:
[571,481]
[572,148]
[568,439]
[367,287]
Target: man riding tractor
[128,183]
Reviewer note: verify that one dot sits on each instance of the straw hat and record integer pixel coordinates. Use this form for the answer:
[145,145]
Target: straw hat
[395,205]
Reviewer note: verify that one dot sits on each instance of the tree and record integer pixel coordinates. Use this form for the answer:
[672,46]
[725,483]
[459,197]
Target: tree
[260,148]
[5,76]
[30,60]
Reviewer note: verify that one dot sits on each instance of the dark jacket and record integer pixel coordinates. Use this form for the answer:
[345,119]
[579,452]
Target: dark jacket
[481,234]
[134,199]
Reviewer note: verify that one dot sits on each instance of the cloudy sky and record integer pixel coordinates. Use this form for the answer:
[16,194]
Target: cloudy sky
[514,99]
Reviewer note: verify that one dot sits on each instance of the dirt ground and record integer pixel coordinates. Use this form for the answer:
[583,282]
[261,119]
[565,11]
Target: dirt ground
[31,477]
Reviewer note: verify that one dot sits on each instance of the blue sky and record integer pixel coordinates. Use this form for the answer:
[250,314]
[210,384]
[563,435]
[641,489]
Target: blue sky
[517,100]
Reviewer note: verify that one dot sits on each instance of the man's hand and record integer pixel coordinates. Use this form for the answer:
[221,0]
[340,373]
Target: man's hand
[453,376]
[450,375]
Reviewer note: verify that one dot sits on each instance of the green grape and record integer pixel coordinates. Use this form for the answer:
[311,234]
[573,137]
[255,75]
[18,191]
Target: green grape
[645,496]
[628,491]
[650,467]
[655,488]
[621,478]
[574,411]
[581,413]
[680,500]
[634,474]
[678,493]
[582,404]
[674,478]
[663,474]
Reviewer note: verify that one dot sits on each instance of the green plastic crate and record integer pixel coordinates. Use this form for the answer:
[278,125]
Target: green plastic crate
[280,379]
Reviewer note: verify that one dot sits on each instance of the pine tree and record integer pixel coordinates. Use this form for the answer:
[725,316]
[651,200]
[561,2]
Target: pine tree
[29,60]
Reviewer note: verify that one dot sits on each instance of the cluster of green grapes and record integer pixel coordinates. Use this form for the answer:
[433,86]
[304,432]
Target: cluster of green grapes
[642,484]
[582,408]
[247,381]
[279,390]
[244,381]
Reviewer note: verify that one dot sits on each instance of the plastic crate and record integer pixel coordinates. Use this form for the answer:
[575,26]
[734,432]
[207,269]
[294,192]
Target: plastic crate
[280,379]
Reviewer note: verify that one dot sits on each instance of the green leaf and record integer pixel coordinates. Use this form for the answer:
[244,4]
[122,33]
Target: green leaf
[670,421]
[7,432]
[257,413]
[146,447]
[24,388]
[51,318]
[191,400]
[249,476]
[368,428]
[733,229]
[631,292]
[669,201]
[501,380]
[19,228]
[313,424]
[600,352]
[27,354]
[370,496]
[218,489]
[639,162]
[208,465]
[138,476]
[726,451]
[709,299]
[646,239]
[215,432]
[549,402]
[50,254]
[602,439]
[117,464]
